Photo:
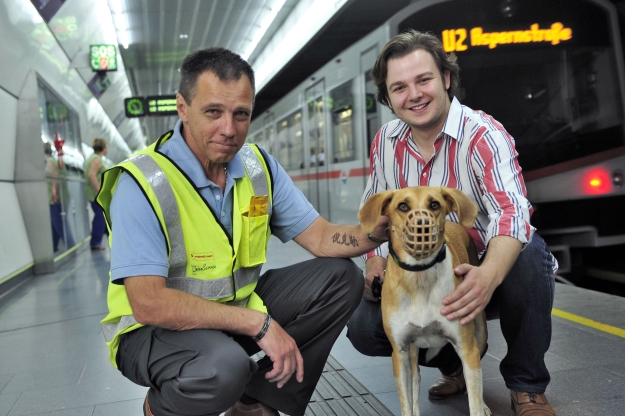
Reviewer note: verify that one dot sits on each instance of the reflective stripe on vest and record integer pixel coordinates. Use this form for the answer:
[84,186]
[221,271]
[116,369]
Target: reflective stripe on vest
[256,173]
[165,195]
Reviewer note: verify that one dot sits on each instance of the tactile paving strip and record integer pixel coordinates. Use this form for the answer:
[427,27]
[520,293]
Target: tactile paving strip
[338,393]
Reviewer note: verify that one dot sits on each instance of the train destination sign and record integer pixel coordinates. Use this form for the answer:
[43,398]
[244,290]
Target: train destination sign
[103,57]
[162,105]
[456,40]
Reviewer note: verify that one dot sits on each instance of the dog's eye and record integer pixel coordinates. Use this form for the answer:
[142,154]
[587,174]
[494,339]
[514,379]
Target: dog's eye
[403,207]
[435,205]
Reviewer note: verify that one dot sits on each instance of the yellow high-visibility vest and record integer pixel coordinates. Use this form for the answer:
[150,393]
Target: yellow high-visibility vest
[203,259]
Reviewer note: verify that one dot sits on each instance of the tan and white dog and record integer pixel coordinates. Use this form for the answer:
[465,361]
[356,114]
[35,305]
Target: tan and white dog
[424,249]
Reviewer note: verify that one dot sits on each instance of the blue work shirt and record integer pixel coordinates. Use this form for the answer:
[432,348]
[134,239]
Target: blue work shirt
[139,247]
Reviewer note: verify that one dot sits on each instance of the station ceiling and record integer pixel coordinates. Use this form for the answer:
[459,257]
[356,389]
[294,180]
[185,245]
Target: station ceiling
[164,31]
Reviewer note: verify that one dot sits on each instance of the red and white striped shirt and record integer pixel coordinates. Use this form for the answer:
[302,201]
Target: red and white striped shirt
[473,153]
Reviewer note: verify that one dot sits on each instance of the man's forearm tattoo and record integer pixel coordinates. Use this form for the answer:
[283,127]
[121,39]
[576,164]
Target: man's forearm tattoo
[345,240]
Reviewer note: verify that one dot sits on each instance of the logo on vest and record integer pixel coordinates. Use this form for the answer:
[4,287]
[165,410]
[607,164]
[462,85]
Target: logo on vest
[201,262]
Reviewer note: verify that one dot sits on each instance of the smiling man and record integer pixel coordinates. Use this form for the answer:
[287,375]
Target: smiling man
[190,218]
[436,141]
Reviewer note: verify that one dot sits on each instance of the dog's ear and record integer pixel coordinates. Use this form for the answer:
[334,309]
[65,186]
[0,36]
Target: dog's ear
[375,206]
[460,203]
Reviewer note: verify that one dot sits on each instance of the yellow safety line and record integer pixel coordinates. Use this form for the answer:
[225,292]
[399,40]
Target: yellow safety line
[589,322]
[15,273]
[76,246]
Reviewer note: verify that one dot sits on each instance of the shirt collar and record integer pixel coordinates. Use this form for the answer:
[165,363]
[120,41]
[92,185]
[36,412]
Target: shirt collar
[176,149]
[454,120]
[397,128]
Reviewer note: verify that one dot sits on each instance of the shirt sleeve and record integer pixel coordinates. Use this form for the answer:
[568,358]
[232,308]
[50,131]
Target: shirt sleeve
[292,213]
[376,183]
[503,190]
[139,247]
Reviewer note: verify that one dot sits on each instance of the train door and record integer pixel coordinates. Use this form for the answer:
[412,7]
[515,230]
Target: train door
[317,166]
[270,134]
[372,116]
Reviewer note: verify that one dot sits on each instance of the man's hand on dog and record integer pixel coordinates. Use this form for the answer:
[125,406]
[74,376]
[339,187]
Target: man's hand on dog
[472,295]
[281,348]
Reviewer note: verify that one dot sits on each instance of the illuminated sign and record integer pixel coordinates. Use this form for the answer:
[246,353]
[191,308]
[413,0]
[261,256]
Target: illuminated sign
[156,105]
[134,107]
[459,40]
[56,111]
[103,57]
[162,105]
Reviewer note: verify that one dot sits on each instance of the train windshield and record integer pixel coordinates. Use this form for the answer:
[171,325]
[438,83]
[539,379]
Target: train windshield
[547,74]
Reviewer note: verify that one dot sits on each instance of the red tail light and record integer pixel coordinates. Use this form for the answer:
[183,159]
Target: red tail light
[597,181]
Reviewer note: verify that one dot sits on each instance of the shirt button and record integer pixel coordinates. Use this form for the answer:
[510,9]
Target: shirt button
[217,197]
[424,174]
[223,213]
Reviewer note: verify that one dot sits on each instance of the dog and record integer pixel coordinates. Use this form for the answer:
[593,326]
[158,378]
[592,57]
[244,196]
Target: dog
[423,251]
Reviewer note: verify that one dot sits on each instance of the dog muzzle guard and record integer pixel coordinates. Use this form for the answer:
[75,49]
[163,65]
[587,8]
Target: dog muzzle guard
[419,234]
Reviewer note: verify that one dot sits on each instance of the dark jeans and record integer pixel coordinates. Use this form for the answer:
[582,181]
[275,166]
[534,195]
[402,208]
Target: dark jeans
[98,225]
[523,304]
[58,231]
[204,372]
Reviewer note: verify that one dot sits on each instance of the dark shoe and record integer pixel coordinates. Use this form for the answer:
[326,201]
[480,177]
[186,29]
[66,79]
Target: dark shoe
[98,247]
[530,404]
[447,386]
[257,409]
[146,407]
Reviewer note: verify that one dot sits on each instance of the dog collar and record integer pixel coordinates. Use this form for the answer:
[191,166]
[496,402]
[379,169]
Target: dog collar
[418,267]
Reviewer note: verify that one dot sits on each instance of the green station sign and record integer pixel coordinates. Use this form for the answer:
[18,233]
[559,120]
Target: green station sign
[134,107]
[162,105]
[153,106]
[103,57]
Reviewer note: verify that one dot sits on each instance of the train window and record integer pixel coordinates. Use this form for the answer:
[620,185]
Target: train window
[291,142]
[270,137]
[315,133]
[342,107]
[258,139]
[373,119]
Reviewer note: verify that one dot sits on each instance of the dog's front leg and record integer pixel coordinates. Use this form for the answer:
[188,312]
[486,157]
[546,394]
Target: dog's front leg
[472,368]
[403,378]
[416,378]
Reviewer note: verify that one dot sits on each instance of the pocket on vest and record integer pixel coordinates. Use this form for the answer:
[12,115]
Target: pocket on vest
[253,245]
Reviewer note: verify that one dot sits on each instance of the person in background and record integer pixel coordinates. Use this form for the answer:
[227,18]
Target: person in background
[55,169]
[94,168]
[436,141]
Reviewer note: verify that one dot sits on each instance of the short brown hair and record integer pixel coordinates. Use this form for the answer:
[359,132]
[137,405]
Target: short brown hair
[227,65]
[99,145]
[409,41]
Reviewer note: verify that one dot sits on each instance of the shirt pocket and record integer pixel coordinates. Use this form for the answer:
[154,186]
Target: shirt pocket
[253,246]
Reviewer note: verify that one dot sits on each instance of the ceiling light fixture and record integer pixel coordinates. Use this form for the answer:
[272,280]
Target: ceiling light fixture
[120,22]
[273,12]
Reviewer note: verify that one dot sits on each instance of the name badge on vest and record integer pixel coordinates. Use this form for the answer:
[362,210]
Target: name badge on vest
[201,262]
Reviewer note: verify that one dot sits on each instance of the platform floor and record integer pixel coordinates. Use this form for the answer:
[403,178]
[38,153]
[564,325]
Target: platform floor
[53,360]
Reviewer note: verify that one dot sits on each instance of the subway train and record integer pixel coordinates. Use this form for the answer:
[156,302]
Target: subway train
[551,72]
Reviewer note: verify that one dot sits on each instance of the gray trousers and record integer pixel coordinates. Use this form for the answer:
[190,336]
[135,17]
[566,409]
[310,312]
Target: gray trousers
[204,372]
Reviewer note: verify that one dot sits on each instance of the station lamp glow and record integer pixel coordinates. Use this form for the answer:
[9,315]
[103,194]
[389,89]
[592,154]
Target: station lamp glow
[264,25]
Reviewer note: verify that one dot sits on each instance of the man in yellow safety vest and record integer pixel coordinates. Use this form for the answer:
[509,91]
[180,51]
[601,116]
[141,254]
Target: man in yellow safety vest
[190,218]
